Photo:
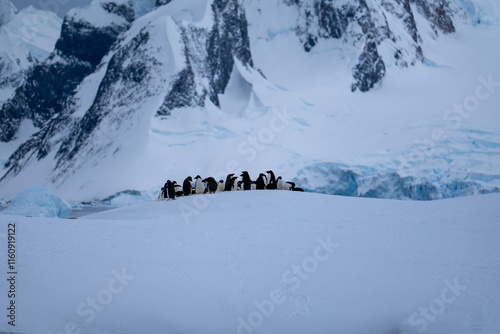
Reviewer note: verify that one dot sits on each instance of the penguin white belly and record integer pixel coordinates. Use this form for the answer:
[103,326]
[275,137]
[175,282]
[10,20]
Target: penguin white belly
[279,185]
[221,187]
[199,187]
[287,186]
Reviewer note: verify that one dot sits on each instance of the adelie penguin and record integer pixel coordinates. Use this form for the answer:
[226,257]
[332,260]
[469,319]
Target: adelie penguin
[261,182]
[187,187]
[234,183]
[170,190]
[229,183]
[199,187]
[178,190]
[279,183]
[211,185]
[247,181]
[221,187]
[163,192]
[293,188]
[272,180]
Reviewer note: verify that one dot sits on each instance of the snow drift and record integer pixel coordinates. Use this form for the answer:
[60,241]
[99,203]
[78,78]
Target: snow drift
[263,262]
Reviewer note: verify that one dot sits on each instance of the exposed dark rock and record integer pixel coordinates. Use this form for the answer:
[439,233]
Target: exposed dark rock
[120,70]
[370,69]
[438,13]
[226,41]
[50,83]
[183,93]
[162,2]
[326,19]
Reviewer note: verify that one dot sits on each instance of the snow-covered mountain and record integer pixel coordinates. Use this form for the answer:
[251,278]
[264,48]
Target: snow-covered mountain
[26,37]
[350,97]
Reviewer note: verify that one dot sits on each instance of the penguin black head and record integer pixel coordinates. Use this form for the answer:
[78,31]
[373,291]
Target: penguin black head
[279,178]
[189,178]
[221,181]
[198,177]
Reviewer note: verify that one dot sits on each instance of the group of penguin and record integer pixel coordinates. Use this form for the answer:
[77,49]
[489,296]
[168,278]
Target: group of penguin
[171,190]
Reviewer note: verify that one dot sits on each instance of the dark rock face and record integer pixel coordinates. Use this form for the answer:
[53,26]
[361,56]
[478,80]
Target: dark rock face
[438,13]
[162,2]
[50,83]
[120,70]
[226,40]
[79,39]
[183,93]
[370,69]
[325,19]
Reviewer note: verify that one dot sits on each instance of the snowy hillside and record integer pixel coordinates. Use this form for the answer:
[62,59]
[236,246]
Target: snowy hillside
[26,37]
[262,262]
[389,99]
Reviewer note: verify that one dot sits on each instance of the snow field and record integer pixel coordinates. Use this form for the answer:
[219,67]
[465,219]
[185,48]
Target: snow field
[263,262]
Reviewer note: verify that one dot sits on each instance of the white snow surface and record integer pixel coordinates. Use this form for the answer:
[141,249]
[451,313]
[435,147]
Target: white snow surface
[34,29]
[262,262]
[7,11]
[26,37]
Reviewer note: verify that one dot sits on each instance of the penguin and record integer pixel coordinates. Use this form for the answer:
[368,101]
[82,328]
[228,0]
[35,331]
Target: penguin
[234,183]
[279,183]
[199,187]
[261,182]
[221,186]
[229,184]
[287,186]
[170,190]
[211,185]
[240,183]
[161,196]
[247,181]
[293,188]
[178,189]
[272,180]
[187,187]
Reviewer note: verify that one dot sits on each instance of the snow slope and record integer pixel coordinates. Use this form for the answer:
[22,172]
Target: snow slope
[26,37]
[262,262]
